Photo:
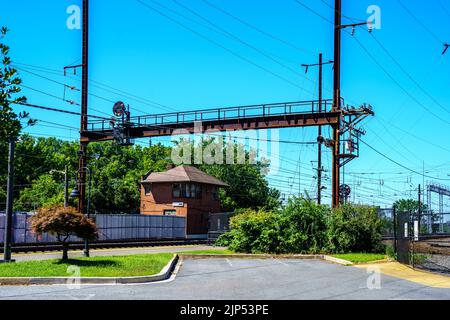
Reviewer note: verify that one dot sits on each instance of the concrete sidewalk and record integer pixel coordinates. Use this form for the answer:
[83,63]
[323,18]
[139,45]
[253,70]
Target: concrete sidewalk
[397,270]
[109,252]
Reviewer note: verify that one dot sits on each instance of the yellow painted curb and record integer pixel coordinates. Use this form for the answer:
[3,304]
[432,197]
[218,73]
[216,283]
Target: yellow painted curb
[398,270]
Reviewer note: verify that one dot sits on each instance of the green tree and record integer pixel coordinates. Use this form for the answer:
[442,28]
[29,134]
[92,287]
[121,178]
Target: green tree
[404,205]
[45,191]
[246,177]
[117,172]
[10,122]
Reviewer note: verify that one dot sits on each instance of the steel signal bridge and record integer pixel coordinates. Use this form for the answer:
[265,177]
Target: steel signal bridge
[253,117]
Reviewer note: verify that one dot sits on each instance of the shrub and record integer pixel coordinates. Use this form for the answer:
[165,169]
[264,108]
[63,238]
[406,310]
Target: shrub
[252,232]
[63,223]
[300,227]
[303,226]
[354,229]
[390,252]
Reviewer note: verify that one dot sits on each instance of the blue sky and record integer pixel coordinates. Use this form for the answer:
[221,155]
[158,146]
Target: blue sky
[141,52]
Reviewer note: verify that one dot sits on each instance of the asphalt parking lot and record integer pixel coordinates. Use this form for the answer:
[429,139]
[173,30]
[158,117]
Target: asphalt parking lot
[243,279]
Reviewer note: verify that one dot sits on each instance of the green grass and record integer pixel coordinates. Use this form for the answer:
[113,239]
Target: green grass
[360,257]
[114,266]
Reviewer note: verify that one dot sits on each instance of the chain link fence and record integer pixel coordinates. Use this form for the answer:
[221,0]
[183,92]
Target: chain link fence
[420,239]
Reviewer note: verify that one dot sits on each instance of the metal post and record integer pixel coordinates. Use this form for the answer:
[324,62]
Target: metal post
[429,211]
[66,187]
[319,156]
[419,209]
[9,203]
[86,241]
[336,101]
[84,106]
[394,212]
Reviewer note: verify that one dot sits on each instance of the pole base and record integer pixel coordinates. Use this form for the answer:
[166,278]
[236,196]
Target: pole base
[9,261]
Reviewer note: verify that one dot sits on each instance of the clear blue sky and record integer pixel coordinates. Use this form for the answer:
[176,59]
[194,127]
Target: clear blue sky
[141,52]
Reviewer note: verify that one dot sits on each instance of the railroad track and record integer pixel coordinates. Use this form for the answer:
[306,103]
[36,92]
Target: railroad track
[48,247]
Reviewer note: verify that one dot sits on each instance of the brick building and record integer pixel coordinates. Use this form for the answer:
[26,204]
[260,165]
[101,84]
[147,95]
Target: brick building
[182,191]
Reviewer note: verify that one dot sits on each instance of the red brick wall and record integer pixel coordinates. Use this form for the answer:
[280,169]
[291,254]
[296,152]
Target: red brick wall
[196,210]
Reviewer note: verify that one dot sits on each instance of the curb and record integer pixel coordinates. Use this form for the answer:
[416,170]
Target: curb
[337,261]
[252,256]
[269,256]
[163,275]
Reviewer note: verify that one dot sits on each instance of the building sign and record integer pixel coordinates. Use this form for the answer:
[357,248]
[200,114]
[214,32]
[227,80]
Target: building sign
[178,204]
[406,230]
[416,230]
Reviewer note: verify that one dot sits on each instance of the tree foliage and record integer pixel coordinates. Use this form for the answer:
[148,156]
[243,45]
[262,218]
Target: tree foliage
[239,168]
[63,223]
[10,121]
[406,205]
[116,176]
[10,124]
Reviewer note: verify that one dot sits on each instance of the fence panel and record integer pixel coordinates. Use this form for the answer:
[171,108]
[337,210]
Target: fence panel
[110,227]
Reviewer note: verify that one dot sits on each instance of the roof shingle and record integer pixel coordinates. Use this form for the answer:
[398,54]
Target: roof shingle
[184,174]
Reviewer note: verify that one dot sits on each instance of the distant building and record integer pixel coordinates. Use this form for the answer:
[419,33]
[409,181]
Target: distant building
[182,191]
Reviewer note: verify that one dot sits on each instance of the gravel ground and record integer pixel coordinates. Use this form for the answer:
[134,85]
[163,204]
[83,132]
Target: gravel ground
[437,263]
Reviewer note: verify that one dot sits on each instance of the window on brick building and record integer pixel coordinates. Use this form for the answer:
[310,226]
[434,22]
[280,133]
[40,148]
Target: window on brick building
[187,190]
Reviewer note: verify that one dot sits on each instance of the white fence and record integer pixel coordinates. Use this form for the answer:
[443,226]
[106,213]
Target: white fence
[110,227]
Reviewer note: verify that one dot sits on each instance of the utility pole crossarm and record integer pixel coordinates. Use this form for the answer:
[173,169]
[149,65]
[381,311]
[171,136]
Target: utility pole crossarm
[446,46]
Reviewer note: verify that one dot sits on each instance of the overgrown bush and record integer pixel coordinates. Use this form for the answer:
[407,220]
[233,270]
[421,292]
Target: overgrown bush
[300,227]
[390,252]
[354,228]
[252,231]
[305,227]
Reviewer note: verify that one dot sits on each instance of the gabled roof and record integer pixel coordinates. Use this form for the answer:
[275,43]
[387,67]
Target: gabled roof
[184,174]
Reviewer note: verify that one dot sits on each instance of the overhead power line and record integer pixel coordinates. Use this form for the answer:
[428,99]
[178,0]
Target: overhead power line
[401,165]
[247,60]
[251,26]
[430,32]
[101,86]
[371,56]
[58,110]
[234,37]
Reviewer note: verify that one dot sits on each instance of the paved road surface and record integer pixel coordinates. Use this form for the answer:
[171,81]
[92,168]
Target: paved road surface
[246,279]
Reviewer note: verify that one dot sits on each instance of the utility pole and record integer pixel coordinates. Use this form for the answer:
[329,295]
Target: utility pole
[84,107]
[9,203]
[319,147]
[337,101]
[320,140]
[337,98]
